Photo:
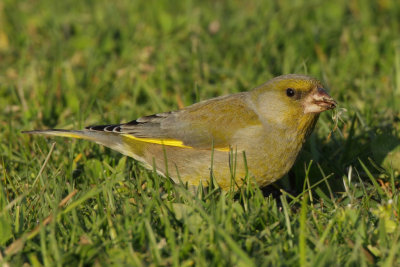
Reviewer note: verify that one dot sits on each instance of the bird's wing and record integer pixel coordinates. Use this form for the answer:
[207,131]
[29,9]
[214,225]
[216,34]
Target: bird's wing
[204,125]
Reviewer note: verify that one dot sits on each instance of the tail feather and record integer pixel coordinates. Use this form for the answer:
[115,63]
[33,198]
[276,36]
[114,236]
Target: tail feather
[108,139]
[111,139]
[64,133]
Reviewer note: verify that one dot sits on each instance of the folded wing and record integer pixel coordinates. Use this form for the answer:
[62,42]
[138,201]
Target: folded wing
[204,125]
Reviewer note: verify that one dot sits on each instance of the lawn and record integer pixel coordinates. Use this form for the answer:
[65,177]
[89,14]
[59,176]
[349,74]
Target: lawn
[69,64]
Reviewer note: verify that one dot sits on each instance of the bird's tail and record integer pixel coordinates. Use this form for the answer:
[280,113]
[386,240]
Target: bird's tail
[87,135]
[109,139]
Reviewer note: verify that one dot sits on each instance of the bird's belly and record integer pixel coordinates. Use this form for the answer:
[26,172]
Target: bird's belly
[195,166]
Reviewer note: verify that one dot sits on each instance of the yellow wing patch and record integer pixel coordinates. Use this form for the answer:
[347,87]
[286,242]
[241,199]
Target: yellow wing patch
[166,142]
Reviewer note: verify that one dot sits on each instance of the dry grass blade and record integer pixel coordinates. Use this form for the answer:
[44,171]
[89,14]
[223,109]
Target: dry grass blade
[18,244]
[20,197]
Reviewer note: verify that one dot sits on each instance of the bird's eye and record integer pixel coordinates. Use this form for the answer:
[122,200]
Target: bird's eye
[290,92]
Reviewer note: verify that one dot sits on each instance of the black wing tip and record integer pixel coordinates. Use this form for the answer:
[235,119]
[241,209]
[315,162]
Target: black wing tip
[95,127]
[104,128]
[132,123]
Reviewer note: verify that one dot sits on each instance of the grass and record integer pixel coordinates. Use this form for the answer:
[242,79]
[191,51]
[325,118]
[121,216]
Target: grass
[68,64]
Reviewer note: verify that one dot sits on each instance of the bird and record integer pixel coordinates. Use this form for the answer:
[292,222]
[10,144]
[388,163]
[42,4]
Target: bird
[256,134]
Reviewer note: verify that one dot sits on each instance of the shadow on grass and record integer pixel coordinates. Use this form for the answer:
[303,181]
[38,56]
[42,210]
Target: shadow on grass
[378,148]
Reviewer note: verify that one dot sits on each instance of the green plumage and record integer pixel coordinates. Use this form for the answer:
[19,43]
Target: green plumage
[268,124]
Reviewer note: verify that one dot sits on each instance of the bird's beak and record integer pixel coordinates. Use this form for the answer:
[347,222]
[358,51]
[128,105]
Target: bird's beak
[318,101]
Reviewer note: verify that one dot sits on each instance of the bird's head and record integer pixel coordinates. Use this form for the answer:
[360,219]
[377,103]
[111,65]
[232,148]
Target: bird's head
[290,99]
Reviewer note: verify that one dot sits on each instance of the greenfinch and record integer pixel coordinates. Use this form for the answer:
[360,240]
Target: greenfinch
[256,134]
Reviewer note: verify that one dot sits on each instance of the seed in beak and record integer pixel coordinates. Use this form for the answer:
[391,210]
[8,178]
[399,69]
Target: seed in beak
[318,101]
